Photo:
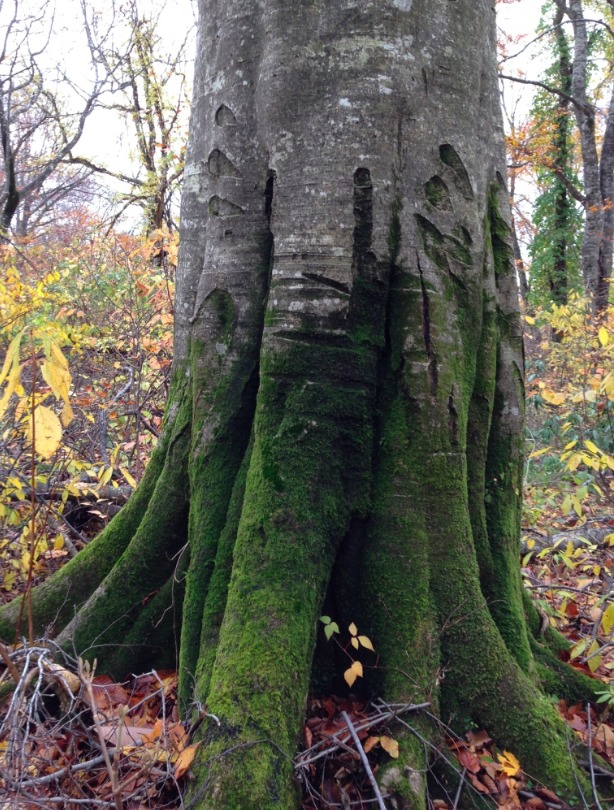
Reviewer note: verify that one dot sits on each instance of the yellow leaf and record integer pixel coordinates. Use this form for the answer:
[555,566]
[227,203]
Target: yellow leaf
[349,676]
[355,643]
[530,320]
[353,629]
[128,477]
[12,382]
[552,398]
[106,476]
[604,337]
[355,671]
[390,746]
[578,648]
[370,743]
[509,764]
[185,759]
[57,376]
[571,444]
[574,462]
[47,431]
[592,659]
[607,620]
[537,453]
[592,447]
[366,642]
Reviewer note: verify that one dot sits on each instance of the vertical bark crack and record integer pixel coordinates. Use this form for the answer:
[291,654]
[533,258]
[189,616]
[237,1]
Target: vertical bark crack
[453,419]
[363,258]
[269,248]
[426,332]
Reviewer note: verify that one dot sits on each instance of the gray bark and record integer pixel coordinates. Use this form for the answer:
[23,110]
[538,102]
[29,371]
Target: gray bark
[598,169]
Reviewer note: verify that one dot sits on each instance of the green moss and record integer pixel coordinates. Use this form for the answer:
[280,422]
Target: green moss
[217,592]
[224,306]
[226,402]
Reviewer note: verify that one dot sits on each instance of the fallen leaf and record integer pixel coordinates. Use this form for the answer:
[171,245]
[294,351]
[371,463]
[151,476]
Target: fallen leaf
[509,764]
[468,760]
[185,759]
[370,743]
[390,746]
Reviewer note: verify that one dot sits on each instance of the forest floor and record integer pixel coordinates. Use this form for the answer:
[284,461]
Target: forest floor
[71,734]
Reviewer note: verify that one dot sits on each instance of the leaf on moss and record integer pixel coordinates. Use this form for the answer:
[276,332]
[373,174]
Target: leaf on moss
[185,759]
[390,746]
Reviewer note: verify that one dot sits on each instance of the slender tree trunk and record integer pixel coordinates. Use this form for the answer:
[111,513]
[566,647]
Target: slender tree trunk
[596,245]
[606,170]
[345,427]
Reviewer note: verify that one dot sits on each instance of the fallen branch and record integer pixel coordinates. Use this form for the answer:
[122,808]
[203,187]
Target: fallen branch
[365,761]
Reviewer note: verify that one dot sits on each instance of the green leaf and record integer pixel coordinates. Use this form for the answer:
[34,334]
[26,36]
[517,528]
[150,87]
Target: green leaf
[329,629]
[325,619]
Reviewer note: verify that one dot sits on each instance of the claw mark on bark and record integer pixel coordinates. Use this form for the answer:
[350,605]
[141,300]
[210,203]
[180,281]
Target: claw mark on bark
[269,192]
[453,419]
[363,258]
[328,282]
[426,332]
[451,158]
[268,196]
[220,166]
[219,207]
[437,193]
[224,117]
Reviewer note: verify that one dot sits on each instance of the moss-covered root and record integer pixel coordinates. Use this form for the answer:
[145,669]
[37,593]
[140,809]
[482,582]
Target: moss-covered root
[399,617]
[147,563]
[56,601]
[485,684]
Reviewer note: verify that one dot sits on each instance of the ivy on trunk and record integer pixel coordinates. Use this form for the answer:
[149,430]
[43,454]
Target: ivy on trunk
[344,432]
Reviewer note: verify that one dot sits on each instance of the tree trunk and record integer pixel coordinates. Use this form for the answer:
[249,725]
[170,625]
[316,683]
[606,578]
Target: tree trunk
[598,223]
[345,426]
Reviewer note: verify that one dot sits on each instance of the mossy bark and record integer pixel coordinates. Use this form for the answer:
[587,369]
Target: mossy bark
[347,412]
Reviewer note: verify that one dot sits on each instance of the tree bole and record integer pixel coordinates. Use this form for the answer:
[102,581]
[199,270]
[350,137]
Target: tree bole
[349,350]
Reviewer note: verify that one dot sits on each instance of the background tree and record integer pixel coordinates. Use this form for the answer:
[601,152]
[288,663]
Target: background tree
[557,218]
[43,111]
[596,137]
[344,430]
[154,98]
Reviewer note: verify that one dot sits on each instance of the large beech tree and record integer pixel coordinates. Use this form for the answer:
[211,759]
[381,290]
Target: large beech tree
[344,432]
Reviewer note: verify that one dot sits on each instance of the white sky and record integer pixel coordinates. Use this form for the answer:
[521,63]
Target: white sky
[107,138]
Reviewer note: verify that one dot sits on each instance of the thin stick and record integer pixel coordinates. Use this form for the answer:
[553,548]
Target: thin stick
[364,759]
[86,675]
[459,789]
[13,671]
